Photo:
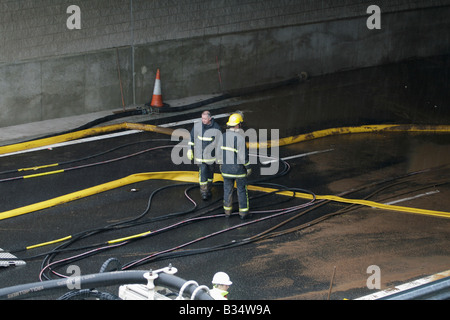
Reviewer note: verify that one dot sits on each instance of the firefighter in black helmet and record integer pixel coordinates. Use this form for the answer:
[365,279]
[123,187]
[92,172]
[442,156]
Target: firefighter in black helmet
[235,166]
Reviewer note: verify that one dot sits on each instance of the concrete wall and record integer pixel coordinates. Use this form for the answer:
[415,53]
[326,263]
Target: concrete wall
[49,71]
[254,57]
[60,87]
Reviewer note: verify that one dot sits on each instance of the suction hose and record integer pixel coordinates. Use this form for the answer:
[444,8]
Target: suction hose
[26,291]
[96,122]
[167,108]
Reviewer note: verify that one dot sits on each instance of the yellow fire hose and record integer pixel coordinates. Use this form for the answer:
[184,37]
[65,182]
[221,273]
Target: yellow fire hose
[281,142]
[192,176]
[82,134]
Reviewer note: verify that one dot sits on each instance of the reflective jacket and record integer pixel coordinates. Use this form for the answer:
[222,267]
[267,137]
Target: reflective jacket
[234,156]
[218,294]
[204,140]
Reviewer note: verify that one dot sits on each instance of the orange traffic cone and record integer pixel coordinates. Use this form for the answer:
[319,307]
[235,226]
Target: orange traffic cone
[157,97]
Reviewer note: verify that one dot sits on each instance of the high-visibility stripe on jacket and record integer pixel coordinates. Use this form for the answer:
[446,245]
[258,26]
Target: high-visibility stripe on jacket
[234,157]
[203,136]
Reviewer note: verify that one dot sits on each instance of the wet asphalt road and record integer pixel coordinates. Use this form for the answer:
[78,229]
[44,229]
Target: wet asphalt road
[299,264]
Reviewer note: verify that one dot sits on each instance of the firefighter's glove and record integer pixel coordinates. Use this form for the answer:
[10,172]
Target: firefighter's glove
[190,154]
[249,171]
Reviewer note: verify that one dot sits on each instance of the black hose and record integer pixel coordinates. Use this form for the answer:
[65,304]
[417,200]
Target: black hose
[87,158]
[99,121]
[167,108]
[175,252]
[30,290]
[118,225]
[34,289]
[232,94]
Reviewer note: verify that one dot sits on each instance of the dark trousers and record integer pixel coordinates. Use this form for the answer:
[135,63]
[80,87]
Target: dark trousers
[228,187]
[205,177]
[205,173]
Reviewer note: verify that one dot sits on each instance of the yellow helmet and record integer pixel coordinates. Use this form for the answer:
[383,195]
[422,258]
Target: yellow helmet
[235,119]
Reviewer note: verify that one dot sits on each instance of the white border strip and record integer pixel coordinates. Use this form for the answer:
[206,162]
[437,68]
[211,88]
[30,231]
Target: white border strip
[68,143]
[291,157]
[413,197]
[406,286]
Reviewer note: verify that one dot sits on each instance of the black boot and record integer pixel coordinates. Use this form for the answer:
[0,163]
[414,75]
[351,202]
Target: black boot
[204,191]
[245,215]
[208,189]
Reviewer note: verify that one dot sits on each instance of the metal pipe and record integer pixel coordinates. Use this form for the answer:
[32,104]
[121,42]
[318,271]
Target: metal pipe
[436,290]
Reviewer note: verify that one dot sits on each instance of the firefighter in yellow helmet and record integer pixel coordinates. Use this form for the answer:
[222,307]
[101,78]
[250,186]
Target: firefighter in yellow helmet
[235,166]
